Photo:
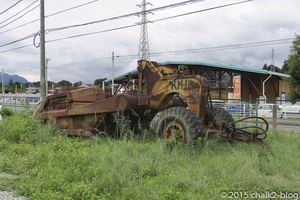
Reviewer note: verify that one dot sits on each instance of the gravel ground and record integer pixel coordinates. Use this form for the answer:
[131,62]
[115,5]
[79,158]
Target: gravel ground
[4,195]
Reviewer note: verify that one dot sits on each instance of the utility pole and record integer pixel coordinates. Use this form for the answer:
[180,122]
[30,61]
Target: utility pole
[2,82]
[47,60]
[112,79]
[42,51]
[272,60]
[113,69]
[144,52]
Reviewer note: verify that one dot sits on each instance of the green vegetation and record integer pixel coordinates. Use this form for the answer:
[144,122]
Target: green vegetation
[293,64]
[6,112]
[50,165]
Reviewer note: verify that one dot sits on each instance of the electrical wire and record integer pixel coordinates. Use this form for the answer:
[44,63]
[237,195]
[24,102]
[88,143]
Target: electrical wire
[70,8]
[187,51]
[20,26]
[128,15]
[209,49]
[85,34]
[119,28]
[18,12]
[223,48]
[10,7]
[164,7]
[21,47]
[24,38]
[74,36]
[20,16]
[47,16]
[213,8]
[81,63]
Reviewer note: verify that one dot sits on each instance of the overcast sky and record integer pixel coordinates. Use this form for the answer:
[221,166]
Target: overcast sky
[88,57]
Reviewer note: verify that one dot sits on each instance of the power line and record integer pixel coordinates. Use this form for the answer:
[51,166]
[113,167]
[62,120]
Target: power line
[20,26]
[218,48]
[81,63]
[24,38]
[75,64]
[187,51]
[10,7]
[124,27]
[70,8]
[21,47]
[127,15]
[164,7]
[18,12]
[213,8]
[222,48]
[48,16]
[74,36]
[20,16]
[85,34]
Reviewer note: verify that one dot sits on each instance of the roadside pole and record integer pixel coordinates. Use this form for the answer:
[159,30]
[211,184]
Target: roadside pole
[42,52]
[2,82]
[112,79]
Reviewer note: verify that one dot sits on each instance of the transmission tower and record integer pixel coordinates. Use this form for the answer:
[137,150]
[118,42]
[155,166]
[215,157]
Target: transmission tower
[272,60]
[144,52]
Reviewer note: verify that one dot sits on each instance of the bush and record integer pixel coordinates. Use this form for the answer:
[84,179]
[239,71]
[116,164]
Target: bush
[6,112]
[22,127]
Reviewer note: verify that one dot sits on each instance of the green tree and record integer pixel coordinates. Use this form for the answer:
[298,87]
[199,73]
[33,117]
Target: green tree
[284,68]
[63,83]
[99,81]
[18,84]
[10,83]
[79,83]
[266,67]
[293,63]
[50,85]
[35,84]
[26,85]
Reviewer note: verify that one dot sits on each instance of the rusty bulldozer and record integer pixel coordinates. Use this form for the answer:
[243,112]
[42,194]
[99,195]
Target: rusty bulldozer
[182,95]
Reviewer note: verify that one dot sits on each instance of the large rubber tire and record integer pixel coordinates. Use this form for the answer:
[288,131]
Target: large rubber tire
[182,121]
[222,115]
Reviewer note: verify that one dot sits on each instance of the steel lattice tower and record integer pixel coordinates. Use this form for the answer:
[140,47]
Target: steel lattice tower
[272,61]
[144,52]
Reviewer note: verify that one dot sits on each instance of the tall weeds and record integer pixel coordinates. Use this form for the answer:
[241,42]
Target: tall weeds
[59,167]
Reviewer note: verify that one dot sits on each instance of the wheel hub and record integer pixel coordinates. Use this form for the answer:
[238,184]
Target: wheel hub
[174,129]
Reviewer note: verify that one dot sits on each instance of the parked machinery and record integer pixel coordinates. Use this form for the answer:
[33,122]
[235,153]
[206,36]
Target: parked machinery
[184,98]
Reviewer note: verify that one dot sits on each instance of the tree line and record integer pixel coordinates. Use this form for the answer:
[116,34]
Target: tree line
[21,87]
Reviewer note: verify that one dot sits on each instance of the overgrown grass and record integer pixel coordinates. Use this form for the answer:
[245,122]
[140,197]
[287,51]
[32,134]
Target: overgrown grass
[50,165]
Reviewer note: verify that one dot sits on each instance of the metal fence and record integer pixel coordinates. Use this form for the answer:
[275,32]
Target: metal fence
[281,109]
[278,113]
[282,115]
[20,102]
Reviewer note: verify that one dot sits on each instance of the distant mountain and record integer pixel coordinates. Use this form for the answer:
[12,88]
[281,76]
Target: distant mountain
[14,78]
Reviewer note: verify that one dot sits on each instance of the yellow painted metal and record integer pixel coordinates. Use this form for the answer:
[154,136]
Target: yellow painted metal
[192,88]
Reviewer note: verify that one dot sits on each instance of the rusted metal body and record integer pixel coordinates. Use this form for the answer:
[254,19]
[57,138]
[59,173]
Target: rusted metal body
[90,109]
